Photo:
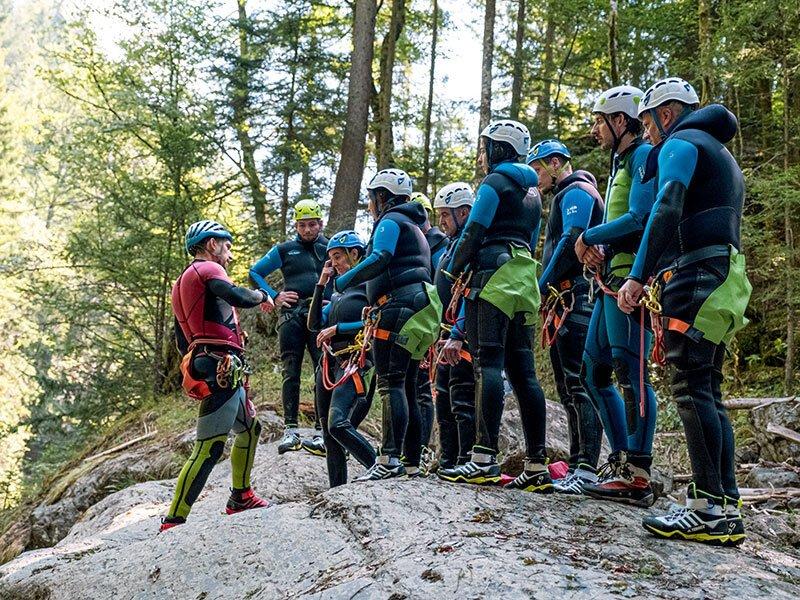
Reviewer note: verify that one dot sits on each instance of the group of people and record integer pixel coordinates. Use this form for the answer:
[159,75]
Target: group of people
[437,319]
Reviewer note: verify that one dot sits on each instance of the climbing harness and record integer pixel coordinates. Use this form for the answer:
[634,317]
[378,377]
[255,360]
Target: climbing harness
[549,312]
[356,354]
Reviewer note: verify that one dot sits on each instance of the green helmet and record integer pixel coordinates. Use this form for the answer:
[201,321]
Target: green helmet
[421,198]
[307,209]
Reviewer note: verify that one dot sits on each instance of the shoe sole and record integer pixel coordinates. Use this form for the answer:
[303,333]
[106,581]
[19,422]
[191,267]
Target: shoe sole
[315,452]
[703,538]
[473,481]
[534,489]
[291,449]
[645,502]
[735,540]
[236,511]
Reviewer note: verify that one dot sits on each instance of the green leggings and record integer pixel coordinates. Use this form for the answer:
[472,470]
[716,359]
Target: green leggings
[219,414]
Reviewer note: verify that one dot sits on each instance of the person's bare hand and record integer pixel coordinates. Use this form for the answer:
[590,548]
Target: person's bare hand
[326,274]
[325,335]
[594,257]
[629,295]
[451,353]
[286,299]
[267,305]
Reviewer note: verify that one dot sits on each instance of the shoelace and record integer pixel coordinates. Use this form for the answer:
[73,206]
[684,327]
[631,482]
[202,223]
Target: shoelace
[607,471]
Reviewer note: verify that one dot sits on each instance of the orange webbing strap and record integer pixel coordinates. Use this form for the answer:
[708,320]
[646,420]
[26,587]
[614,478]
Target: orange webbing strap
[465,356]
[382,334]
[358,382]
[350,369]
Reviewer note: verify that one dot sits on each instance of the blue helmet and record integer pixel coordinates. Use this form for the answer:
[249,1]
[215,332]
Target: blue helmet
[345,239]
[546,149]
[202,230]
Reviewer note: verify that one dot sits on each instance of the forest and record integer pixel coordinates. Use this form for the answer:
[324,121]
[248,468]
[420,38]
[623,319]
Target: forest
[122,122]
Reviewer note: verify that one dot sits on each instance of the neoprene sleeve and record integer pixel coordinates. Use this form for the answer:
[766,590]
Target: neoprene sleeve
[384,243]
[269,263]
[234,295]
[676,163]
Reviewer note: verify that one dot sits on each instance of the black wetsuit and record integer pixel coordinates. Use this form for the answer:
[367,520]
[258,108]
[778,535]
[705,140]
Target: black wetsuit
[576,206]
[342,409]
[300,264]
[696,217]
[395,268]
[455,386]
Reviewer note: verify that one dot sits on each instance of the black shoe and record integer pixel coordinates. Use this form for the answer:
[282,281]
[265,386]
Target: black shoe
[384,468]
[701,520]
[290,442]
[733,516]
[534,478]
[481,470]
[315,446]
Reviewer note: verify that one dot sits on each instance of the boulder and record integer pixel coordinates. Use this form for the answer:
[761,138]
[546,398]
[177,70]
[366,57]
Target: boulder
[403,538]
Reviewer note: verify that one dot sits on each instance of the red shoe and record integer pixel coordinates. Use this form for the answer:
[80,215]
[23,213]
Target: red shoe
[246,501]
[170,522]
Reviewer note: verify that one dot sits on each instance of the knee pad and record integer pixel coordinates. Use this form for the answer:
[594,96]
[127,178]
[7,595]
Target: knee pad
[595,374]
[622,370]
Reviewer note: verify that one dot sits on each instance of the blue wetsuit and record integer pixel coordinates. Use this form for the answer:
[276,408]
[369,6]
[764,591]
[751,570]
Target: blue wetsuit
[614,339]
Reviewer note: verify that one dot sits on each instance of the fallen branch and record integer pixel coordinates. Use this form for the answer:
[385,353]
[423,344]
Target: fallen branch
[754,495]
[784,432]
[121,446]
[754,403]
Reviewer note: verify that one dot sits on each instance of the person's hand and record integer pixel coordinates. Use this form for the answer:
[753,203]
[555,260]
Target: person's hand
[326,274]
[451,353]
[286,299]
[594,256]
[629,295]
[580,248]
[268,305]
[325,335]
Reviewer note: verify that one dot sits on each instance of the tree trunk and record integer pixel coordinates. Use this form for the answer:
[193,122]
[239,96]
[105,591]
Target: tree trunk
[240,106]
[788,384]
[291,134]
[612,43]
[344,204]
[486,72]
[542,118]
[385,141]
[426,151]
[519,46]
[705,35]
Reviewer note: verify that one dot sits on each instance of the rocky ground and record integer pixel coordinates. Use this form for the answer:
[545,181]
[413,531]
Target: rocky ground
[395,540]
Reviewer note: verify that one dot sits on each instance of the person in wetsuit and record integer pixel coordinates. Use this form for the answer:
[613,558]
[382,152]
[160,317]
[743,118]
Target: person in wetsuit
[204,301]
[576,206]
[455,380]
[692,245]
[336,324]
[501,304]
[437,242]
[614,342]
[395,270]
[300,262]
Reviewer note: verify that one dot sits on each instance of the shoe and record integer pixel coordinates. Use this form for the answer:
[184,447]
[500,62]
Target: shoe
[315,446]
[414,472]
[427,460]
[290,442]
[733,516]
[621,479]
[535,477]
[481,470]
[170,522]
[244,500]
[703,520]
[386,467]
[574,482]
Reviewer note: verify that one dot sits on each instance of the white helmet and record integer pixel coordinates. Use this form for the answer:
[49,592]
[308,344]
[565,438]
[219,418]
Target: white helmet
[671,88]
[511,132]
[620,99]
[454,195]
[396,181]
